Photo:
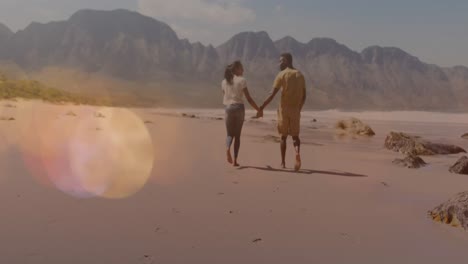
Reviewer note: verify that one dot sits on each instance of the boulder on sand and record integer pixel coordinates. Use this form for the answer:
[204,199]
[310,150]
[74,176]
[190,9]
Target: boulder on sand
[461,166]
[354,126]
[454,212]
[407,144]
[411,162]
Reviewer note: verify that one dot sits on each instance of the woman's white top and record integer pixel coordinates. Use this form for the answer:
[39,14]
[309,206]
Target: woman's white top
[234,93]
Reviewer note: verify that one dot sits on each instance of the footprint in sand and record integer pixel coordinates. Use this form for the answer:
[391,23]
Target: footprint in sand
[355,240]
[257,240]
[148,259]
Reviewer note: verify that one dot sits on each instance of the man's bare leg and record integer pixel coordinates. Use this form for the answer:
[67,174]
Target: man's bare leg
[283,151]
[297,148]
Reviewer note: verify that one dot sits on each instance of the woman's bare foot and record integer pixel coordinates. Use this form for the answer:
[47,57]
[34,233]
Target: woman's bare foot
[283,165]
[229,157]
[298,164]
[236,164]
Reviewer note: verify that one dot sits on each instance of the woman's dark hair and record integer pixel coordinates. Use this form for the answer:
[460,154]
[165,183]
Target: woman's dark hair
[229,72]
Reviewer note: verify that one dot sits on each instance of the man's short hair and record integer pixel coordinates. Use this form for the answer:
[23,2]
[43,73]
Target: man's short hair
[288,57]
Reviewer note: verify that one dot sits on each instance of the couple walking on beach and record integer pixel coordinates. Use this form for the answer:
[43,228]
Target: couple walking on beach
[290,81]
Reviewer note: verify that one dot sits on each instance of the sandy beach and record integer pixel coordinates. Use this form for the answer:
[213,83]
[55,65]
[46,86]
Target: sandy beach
[158,190]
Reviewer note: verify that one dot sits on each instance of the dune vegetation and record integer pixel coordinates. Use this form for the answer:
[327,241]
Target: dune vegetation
[34,90]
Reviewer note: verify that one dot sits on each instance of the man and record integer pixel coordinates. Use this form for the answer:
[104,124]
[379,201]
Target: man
[293,96]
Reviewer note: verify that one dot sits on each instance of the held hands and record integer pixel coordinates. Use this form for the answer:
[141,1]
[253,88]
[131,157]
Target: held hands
[260,112]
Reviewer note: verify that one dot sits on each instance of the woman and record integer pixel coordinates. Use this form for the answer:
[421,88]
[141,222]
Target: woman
[235,88]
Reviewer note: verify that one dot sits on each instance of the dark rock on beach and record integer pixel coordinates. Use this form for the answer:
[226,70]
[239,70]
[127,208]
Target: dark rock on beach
[408,144]
[411,162]
[189,116]
[354,126]
[454,212]
[461,166]
[216,118]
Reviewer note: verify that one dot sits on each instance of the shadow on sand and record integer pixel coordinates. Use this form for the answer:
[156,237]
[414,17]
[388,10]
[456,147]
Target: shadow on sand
[303,171]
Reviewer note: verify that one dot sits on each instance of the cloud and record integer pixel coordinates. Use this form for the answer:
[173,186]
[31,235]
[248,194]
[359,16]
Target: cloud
[210,12]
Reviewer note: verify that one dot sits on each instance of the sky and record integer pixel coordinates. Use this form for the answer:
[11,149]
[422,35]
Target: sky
[435,31]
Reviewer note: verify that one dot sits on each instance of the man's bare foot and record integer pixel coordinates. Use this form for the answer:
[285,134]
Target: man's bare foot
[229,157]
[298,164]
[236,164]
[283,165]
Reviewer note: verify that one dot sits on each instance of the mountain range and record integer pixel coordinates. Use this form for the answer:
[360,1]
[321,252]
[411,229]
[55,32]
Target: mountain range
[128,46]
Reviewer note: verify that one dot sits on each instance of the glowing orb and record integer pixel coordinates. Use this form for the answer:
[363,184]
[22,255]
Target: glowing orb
[112,156]
[85,156]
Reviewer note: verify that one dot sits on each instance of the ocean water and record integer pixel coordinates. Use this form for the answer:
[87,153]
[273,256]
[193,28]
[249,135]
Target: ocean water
[333,115]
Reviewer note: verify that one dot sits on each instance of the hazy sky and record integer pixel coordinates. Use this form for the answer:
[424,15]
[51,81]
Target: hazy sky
[433,30]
